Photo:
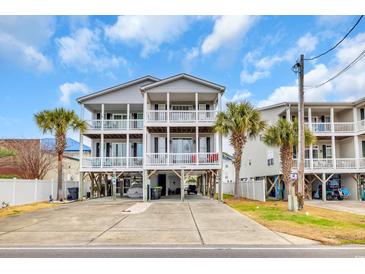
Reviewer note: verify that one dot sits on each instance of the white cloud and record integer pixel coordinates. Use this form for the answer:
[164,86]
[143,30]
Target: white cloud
[238,96]
[84,50]
[68,89]
[246,77]
[149,31]
[262,66]
[227,31]
[22,39]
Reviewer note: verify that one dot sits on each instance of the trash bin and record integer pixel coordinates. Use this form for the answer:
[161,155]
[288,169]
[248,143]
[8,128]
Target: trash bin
[155,193]
[73,193]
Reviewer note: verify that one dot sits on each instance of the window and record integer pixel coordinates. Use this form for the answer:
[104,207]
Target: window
[363,148]
[182,107]
[270,162]
[362,114]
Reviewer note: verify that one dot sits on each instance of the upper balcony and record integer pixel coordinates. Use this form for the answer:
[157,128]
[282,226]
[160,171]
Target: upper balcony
[339,128]
[345,165]
[114,118]
[114,124]
[181,116]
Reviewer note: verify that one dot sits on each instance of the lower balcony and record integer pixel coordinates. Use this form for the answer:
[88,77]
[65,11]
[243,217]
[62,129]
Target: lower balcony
[182,159]
[329,163]
[112,162]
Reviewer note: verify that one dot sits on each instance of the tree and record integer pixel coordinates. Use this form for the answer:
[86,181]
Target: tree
[58,122]
[31,160]
[284,134]
[240,121]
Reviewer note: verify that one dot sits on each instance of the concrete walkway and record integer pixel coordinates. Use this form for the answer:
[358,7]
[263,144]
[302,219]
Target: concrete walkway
[103,222]
[357,207]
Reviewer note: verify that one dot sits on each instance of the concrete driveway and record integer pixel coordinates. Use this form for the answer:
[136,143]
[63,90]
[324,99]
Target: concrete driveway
[102,222]
[357,207]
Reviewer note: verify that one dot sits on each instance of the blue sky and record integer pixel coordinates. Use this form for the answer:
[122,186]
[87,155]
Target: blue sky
[48,62]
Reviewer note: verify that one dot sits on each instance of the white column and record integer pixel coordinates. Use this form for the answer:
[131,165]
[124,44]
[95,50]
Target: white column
[197,144]
[220,184]
[310,118]
[354,113]
[102,150]
[102,117]
[168,145]
[288,114]
[182,185]
[144,130]
[324,187]
[219,102]
[196,105]
[81,139]
[145,178]
[333,141]
[332,117]
[168,107]
[357,151]
[128,117]
[81,186]
[128,146]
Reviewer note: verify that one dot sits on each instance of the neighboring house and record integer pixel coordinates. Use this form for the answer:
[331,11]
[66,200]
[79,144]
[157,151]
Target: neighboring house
[228,172]
[153,131]
[71,164]
[338,155]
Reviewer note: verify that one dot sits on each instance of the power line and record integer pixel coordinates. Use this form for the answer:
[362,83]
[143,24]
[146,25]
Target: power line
[356,60]
[335,46]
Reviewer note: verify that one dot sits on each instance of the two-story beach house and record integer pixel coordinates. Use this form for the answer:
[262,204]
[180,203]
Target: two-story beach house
[337,157]
[155,132]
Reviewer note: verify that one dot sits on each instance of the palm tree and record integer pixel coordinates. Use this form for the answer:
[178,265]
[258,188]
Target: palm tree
[284,134]
[240,122]
[58,122]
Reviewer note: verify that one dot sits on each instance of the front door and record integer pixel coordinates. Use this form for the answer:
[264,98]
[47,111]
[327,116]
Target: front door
[161,181]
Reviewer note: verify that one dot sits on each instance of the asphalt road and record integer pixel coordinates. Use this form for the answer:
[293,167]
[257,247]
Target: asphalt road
[184,252]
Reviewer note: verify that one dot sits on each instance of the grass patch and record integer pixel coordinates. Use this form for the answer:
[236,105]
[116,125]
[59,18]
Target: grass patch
[17,210]
[323,225]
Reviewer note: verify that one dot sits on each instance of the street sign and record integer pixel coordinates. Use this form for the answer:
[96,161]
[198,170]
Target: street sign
[114,180]
[294,176]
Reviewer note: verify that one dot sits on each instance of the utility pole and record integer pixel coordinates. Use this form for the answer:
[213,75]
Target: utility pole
[301,143]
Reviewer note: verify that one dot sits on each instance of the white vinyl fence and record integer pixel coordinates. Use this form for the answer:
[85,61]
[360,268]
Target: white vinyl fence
[250,189]
[20,191]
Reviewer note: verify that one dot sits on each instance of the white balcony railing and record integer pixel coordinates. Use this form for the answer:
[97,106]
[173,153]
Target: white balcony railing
[207,115]
[112,162]
[162,159]
[361,125]
[94,124]
[346,163]
[115,124]
[344,127]
[338,127]
[136,124]
[156,159]
[181,116]
[328,163]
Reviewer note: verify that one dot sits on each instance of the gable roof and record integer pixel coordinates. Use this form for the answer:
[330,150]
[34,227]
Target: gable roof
[183,76]
[71,145]
[338,103]
[114,88]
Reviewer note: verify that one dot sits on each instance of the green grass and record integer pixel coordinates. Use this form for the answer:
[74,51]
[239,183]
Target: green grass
[326,226]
